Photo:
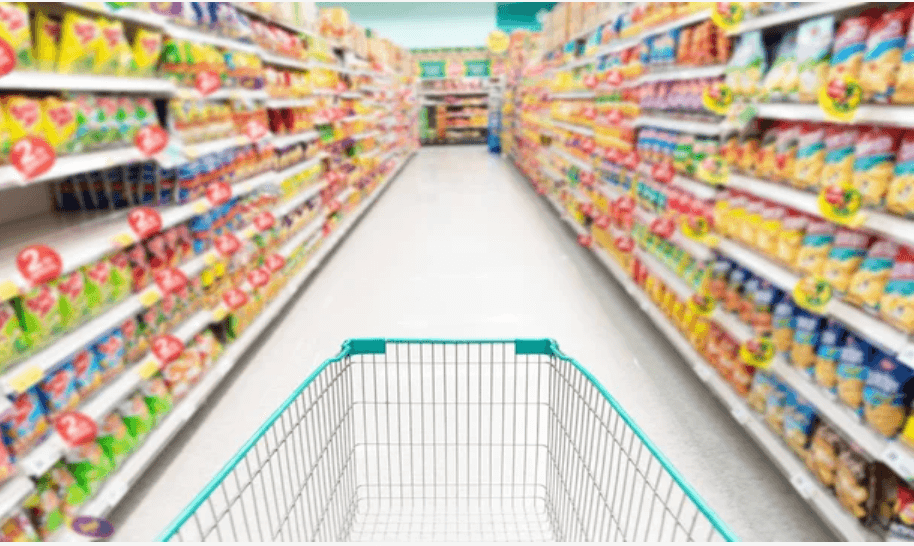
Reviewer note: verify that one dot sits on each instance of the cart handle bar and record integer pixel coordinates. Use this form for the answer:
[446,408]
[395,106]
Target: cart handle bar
[350,347]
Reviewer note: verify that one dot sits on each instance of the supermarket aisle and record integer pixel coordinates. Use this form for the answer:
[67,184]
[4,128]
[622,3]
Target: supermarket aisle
[461,247]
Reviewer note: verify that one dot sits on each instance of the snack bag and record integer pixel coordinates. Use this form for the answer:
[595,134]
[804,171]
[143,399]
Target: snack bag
[799,420]
[109,354]
[775,404]
[887,394]
[734,292]
[897,303]
[846,254]
[744,72]
[900,198]
[764,300]
[767,154]
[782,325]
[112,54]
[901,526]
[785,152]
[24,423]
[762,385]
[157,398]
[853,368]
[88,371]
[825,448]
[47,40]
[790,237]
[874,164]
[18,528]
[806,330]
[39,314]
[59,389]
[113,438]
[867,284]
[137,418]
[904,91]
[882,59]
[23,117]
[781,82]
[848,49]
[181,373]
[88,465]
[15,30]
[79,42]
[13,342]
[852,483]
[46,507]
[840,142]
[817,242]
[813,43]
[827,353]
[59,123]
[810,156]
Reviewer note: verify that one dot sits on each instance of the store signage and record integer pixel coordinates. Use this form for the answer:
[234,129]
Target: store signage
[171,280]
[717,98]
[259,277]
[757,353]
[167,348]
[32,156]
[842,204]
[218,193]
[264,221]
[151,140]
[477,69]
[7,57]
[235,298]
[227,244]
[813,294]
[75,428]
[39,264]
[144,221]
[207,82]
[431,69]
[728,15]
[275,262]
[92,527]
[255,130]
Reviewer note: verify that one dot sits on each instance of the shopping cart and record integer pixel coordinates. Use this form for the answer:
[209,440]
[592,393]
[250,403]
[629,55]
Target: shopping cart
[395,440]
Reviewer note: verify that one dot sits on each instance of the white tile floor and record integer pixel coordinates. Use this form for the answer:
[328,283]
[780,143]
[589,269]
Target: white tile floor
[461,247]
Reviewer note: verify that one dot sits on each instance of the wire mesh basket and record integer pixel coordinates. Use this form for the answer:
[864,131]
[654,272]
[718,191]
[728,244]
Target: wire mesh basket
[396,440]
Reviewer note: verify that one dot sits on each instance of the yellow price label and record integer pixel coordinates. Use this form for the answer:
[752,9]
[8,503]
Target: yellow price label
[698,229]
[150,296]
[728,15]
[8,290]
[842,204]
[701,305]
[220,313]
[757,353]
[148,368]
[840,98]
[24,379]
[219,269]
[123,240]
[200,207]
[813,294]
[208,277]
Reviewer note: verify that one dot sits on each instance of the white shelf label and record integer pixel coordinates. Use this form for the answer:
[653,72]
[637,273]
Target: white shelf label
[115,491]
[906,355]
[899,460]
[741,414]
[42,459]
[803,485]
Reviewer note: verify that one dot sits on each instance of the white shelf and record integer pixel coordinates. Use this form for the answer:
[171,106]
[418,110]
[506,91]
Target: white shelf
[686,126]
[691,19]
[136,16]
[580,164]
[898,115]
[295,169]
[306,194]
[574,128]
[274,58]
[365,135]
[194,35]
[13,493]
[203,148]
[683,73]
[281,141]
[673,281]
[790,15]
[455,93]
[290,26]
[573,95]
[80,82]
[350,95]
[289,103]
[74,164]
[223,93]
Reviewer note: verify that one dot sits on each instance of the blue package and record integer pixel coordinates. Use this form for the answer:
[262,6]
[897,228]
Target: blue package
[828,352]
[853,370]
[109,353]
[887,394]
[59,391]
[806,330]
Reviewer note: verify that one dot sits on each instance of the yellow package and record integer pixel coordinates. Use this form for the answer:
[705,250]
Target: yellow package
[16,31]
[23,116]
[900,197]
[817,242]
[849,47]
[904,90]
[839,156]
[767,235]
[766,166]
[810,156]
[874,163]
[780,82]
[47,40]
[113,55]
[79,37]
[897,302]
[751,222]
[60,123]
[790,238]
[882,60]
[785,152]
[868,283]
[6,143]
[846,254]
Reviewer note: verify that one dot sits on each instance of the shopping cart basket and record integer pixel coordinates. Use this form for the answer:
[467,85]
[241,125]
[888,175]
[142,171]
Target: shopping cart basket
[448,440]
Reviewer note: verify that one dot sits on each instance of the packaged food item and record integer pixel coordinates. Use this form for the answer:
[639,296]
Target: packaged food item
[900,198]
[825,448]
[874,164]
[790,237]
[904,92]
[13,342]
[88,465]
[47,40]
[18,528]
[113,55]
[16,31]
[88,371]
[60,123]
[846,254]
[887,394]
[827,353]
[814,40]
[785,152]
[39,314]
[181,373]
[59,389]
[901,526]
[782,325]
[775,404]
[853,369]
[882,60]
[79,42]
[810,156]
[23,117]
[781,81]
[46,507]
[762,385]
[897,303]
[114,439]
[744,72]
[840,142]
[24,423]
[109,354]
[852,483]
[157,397]
[767,154]
[799,420]
[848,49]
[734,293]
[137,418]
[806,330]
[868,283]
[817,242]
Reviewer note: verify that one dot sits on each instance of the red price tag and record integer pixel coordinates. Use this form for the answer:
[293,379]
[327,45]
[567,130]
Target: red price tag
[590,80]
[235,298]
[144,221]
[39,264]
[624,244]
[264,221]
[587,178]
[32,156]
[626,203]
[630,161]
[662,172]
[614,116]
[227,244]
[255,130]
[275,262]
[259,277]
[587,209]
[218,193]
[75,428]
[614,78]
[7,57]
[167,348]
[663,227]
[151,140]
[602,222]
[612,155]
[171,280]
[588,145]
[208,82]
[585,240]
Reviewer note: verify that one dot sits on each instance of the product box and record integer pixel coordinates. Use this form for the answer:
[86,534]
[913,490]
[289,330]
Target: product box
[59,390]
[24,423]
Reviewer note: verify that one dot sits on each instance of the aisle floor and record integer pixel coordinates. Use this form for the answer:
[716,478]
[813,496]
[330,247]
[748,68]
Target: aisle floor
[460,246]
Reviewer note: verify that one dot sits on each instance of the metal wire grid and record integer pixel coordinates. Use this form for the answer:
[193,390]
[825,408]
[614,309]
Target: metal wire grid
[448,441]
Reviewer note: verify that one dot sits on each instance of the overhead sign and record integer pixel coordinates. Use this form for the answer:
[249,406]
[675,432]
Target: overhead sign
[431,69]
[477,69]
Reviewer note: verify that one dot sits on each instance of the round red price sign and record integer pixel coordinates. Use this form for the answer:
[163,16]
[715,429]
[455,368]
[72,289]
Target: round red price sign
[602,222]
[585,240]
[151,140]
[167,348]
[275,262]
[39,264]
[144,221]
[208,82]
[662,172]
[7,57]
[75,428]
[218,193]
[171,280]
[235,298]
[255,130]
[663,227]
[630,161]
[32,156]
[227,244]
[259,277]
[624,244]
[264,221]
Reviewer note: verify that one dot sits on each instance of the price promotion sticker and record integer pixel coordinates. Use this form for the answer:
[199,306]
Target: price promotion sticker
[718,98]
[8,59]
[813,293]
[32,156]
[702,305]
[757,353]
[170,280]
[728,15]
[218,193]
[842,204]
[39,264]
[167,348]
[255,130]
[151,140]
[585,240]
[713,170]
[235,298]
[144,222]
[697,228]
[663,172]
[275,262]
[840,99]
[227,244]
[207,82]
[259,277]
[75,428]
[264,221]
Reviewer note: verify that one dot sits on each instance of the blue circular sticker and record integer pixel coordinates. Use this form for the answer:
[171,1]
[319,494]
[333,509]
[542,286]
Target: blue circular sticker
[92,527]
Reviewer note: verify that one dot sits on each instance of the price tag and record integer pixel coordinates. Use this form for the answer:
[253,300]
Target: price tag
[151,140]
[663,227]
[803,485]
[264,221]
[235,298]
[906,355]
[32,156]
[7,55]
[757,353]
[218,193]
[144,221]
[150,296]
[148,368]
[39,264]
[842,204]
[663,172]
[167,348]
[25,378]
[259,277]
[75,428]
[8,290]
[207,82]
[171,280]
[741,414]
[255,130]
[840,99]
[728,15]
[220,313]
[898,459]
[275,262]
[813,294]
[123,240]
[227,244]
[585,240]
[713,170]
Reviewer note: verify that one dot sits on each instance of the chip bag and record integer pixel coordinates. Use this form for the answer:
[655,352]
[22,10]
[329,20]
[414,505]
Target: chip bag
[47,41]
[827,353]
[817,242]
[813,43]
[781,82]
[840,143]
[846,254]
[16,31]
[867,284]
[887,394]
[904,91]
[848,49]
[112,54]
[810,156]
[79,43]
[853,369]
[874,164]
[900,196]
[897,303]
[882,59]
[806,330]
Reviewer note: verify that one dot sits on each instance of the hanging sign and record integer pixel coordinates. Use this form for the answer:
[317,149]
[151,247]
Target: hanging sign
[144,221]
[167,348]
[151,140]
[39,264]
[75,428]
[171,280]
[32,156]
[477,69]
